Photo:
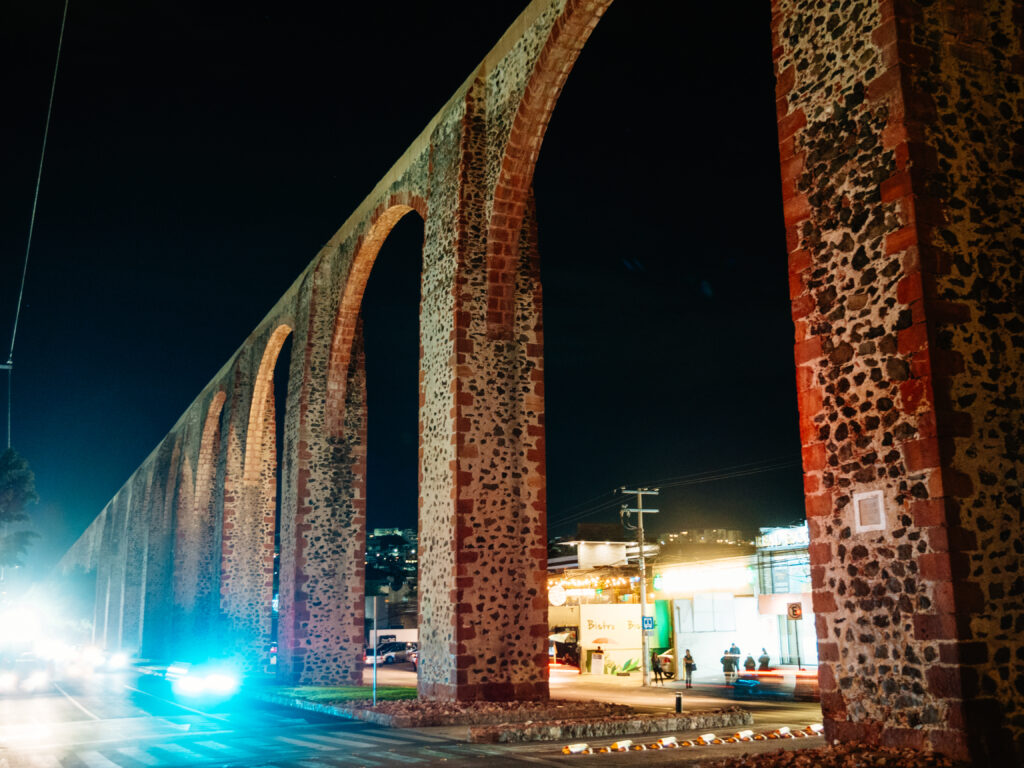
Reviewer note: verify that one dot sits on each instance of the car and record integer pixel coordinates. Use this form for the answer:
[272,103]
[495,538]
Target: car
[25,674]
[668,663]
[212,679]
[389,653]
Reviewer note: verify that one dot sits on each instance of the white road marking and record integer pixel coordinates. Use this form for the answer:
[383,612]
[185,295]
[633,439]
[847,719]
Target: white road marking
[177,749]
[352,742]
[221,718]
[96,760]
[216,746]
[44,761]
[90,714]
[139,754]
[312,744]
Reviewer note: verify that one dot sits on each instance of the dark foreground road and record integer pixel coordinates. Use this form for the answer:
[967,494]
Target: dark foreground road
[129,720]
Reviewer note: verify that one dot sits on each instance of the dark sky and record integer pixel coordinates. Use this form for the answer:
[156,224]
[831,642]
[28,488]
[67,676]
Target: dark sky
[200,154]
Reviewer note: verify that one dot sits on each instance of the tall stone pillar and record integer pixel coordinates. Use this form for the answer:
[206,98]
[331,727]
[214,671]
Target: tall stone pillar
[323,537]
[482,539]
[902,150]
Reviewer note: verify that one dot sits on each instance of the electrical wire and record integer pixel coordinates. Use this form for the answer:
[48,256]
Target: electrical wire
[694,478]
[32,218]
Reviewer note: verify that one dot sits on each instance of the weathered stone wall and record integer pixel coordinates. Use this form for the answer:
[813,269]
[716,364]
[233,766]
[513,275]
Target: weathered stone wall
[211,489]
[900,141]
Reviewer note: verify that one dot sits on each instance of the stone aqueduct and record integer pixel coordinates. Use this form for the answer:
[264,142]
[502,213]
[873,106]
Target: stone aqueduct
[902,152]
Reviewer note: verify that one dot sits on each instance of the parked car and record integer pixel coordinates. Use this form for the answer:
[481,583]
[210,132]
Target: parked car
[668,663]
[389,653]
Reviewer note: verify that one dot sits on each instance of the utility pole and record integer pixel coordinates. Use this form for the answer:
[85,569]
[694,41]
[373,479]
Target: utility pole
[640,493]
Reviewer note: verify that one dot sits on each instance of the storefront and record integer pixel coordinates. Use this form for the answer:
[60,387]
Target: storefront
[784,581]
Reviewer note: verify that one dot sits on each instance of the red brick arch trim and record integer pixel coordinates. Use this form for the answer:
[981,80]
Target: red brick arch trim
[567,38]
[262,390]
[206,468]
[347,319]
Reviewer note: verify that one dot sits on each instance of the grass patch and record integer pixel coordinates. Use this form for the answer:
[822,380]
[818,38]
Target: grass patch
[337,693]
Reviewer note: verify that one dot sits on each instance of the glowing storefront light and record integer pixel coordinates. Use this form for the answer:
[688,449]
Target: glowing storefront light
[711,576]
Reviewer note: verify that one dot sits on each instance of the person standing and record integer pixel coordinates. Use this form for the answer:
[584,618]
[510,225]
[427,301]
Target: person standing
[659,676]
[763,661]
[688,667]
[728,666]
[749,663]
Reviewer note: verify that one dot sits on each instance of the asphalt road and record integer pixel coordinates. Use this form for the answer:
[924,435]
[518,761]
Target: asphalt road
[130,720]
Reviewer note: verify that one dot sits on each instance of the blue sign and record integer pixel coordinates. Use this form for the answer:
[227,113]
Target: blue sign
[648,622]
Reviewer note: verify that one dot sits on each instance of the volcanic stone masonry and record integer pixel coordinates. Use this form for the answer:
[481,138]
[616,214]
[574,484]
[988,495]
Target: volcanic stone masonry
[902,149]
[902,156]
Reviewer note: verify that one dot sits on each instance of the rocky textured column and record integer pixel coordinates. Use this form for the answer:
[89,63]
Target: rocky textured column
[156,623]
[482,545]
[247,549]
[323,543]
[136,531]
[902,165]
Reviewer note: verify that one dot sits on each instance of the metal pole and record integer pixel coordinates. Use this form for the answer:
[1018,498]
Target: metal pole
[375,650]
[643,586]
[640,492]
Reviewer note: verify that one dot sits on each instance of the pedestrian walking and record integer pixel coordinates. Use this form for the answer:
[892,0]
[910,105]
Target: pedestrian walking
[763,661]
[659,676]
[689,666]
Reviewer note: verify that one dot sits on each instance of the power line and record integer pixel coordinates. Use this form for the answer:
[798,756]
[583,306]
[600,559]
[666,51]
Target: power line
[9,366]
[695,478]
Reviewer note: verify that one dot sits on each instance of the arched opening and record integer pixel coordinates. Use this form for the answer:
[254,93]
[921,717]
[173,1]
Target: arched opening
[252,535]
[390,321]
[280,391]
[384,372]
[643,291]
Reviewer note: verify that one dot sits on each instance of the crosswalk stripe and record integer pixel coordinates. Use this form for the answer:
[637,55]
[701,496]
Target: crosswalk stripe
[176,751]
[419,738]
[305,743]
[344,742]
[140,755]
[45,761]
[221,749]
[400,757]
[96,760]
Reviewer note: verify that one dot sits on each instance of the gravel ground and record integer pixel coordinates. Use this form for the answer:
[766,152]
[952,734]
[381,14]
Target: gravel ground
[840,756]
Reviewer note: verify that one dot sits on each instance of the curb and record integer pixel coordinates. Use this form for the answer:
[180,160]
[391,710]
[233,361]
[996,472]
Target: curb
[510,733]
[626,725]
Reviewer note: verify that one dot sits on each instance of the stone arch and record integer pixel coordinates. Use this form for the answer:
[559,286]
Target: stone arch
[263,388]
[522,148]
[347,319]
[206,467]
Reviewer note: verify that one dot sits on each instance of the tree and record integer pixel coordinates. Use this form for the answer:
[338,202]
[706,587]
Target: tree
[17,491]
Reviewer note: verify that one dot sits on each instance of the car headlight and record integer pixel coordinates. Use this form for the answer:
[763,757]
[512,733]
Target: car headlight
[36,681]
[221,683]
[118,660]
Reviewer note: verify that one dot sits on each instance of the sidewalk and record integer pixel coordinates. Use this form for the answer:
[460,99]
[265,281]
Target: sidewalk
[709,691]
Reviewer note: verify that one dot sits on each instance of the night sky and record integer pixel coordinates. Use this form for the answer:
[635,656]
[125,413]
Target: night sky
[201,153]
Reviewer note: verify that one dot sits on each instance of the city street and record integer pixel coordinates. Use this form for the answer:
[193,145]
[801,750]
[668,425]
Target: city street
[130,720]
